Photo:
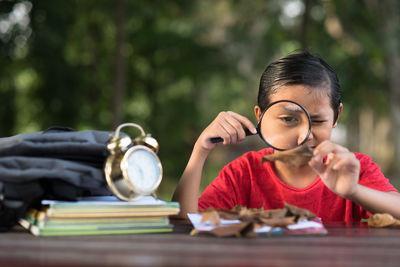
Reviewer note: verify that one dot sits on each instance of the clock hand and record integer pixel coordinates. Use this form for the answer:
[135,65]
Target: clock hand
[141,173]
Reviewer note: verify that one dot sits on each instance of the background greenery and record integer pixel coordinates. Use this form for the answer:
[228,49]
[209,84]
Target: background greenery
[171,66]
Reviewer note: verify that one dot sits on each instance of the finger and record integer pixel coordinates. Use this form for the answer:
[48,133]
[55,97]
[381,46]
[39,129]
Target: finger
[225,134]
[348,161]
[318,166]
[340,164]
[322,166]
[229,132]
[220,132]
[215,131]
[234,127]
[331,161]
[241,134]
[329,158]
[245,121]
[327,147]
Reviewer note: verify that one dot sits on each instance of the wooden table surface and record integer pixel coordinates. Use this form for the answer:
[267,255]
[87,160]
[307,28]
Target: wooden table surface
[343,246]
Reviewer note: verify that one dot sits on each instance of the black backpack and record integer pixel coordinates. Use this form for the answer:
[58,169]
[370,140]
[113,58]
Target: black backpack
[58,163]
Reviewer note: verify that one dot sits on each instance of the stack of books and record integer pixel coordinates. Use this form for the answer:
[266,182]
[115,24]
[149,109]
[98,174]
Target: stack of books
[100,216]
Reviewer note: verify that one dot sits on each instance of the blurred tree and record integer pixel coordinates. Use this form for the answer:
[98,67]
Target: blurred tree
[13,33]
[171,66]
[120,62]
[389,12]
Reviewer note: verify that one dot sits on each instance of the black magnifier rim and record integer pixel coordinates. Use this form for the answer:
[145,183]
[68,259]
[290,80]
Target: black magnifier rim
[262,115]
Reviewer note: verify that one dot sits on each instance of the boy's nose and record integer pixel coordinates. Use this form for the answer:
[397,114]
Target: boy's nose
[303,137]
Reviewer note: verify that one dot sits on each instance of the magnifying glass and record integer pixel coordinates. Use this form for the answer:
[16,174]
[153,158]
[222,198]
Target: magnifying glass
[283,125]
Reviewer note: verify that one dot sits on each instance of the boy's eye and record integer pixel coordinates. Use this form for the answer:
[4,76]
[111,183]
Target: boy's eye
[289,119]
[318,121]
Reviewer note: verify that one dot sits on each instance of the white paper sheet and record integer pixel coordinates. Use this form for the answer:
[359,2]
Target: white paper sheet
[195,219]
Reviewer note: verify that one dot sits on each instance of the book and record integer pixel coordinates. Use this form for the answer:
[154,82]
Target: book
[73,229]
[39,218]
[100,215]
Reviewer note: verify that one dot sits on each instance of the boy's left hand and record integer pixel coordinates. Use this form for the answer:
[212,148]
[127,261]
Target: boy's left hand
[340,172]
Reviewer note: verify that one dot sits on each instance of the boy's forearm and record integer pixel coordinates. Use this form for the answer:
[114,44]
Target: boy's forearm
[377,201]
[187,191]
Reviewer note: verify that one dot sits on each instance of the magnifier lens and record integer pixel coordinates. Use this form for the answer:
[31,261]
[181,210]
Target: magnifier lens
[285,125]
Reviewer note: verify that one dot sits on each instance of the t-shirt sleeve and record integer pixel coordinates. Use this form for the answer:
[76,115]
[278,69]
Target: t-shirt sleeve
[227,189]
[371,175]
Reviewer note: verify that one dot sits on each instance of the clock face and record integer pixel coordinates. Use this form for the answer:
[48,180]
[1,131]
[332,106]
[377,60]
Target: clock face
[143,169]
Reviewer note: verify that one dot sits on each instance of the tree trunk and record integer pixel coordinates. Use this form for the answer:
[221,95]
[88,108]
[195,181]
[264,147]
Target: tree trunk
[353,131]
[305,24]
[120,63]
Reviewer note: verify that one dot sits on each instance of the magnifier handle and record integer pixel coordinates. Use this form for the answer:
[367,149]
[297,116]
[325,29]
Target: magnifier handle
[219,139]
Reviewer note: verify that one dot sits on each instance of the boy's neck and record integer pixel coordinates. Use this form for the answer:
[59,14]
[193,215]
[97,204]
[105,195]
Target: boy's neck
[296,177]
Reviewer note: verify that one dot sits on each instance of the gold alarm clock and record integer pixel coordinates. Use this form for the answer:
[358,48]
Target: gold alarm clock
[133,168]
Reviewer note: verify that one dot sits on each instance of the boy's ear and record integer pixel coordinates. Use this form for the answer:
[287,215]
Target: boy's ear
[339,112]
[257,112]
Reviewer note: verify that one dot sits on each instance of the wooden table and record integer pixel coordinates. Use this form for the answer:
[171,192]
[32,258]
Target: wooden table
[355,245]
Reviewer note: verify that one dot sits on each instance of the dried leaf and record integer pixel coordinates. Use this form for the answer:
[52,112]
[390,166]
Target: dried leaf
[238,209]
[251,218]
[238,230]
[296,157]
[299,212]
[382,220]
[247,215]
[228,215]
[274,213]
[193,232]
[248,231]
[211,216]
[278,222]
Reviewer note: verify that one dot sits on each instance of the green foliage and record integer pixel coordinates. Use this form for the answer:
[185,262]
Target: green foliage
[186,61]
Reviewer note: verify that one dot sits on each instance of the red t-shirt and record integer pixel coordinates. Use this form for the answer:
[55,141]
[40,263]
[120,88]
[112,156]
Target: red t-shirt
[247,182]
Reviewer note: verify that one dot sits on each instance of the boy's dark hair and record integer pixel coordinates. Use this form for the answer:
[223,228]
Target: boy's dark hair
[299,68]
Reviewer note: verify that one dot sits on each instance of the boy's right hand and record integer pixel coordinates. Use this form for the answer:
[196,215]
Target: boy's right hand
[229,126]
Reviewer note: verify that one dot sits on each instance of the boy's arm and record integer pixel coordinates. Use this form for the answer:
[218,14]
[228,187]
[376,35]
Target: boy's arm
[227,125]
[340,173]
[377,201]
[187,191]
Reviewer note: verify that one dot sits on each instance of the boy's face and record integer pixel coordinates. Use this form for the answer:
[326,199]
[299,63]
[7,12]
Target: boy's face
[317,103]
